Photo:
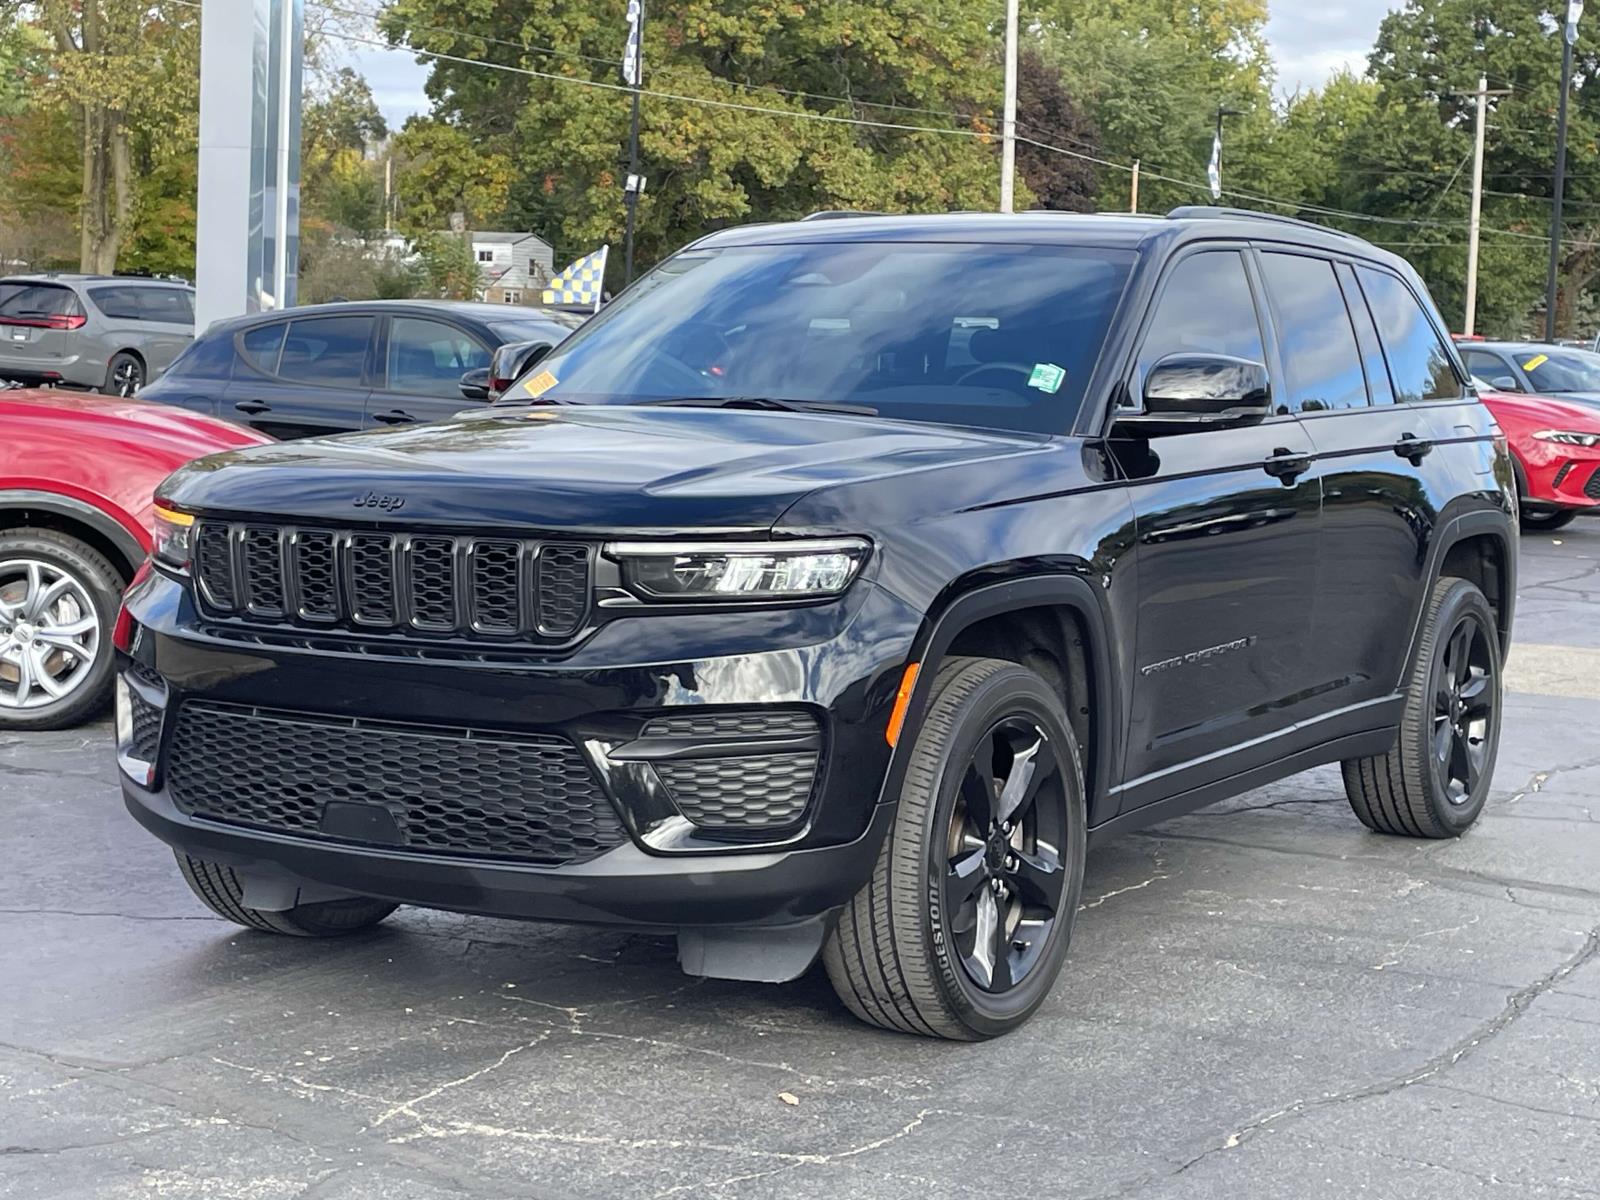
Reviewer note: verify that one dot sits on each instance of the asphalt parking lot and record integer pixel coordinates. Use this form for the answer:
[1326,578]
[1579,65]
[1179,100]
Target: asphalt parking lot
[1262,999]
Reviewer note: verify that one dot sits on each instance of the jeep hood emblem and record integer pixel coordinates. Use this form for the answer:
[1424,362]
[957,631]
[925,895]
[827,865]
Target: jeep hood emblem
[386,503]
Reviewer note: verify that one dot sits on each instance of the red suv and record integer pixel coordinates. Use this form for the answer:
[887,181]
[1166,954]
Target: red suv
[77,474]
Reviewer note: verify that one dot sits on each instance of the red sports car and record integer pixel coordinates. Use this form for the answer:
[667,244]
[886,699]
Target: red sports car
[77,477]
[1555,445]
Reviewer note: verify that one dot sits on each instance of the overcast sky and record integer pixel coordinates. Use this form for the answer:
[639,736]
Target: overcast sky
[1311,39]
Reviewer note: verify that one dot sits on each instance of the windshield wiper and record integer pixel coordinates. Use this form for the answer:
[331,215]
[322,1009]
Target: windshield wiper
[765,403]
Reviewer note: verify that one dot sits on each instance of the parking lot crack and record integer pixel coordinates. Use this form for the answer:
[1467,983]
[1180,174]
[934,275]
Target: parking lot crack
[122,916]
[1515,1006]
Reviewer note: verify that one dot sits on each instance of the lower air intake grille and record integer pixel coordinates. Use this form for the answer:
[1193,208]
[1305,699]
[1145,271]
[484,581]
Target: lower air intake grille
[145,743]
[421,787]
[767,788]
[1592,488]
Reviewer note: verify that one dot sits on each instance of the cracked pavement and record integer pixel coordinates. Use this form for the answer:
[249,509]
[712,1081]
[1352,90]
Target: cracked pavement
[1262,999]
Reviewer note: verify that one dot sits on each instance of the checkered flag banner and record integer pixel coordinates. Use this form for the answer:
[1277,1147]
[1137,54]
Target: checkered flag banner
[581,284]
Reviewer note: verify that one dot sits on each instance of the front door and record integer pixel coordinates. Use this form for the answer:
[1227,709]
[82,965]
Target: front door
[1226,528]
[424,361]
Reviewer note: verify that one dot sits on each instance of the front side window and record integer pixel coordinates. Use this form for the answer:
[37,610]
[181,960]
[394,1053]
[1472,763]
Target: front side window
[1490,370]
[887,327]
[1321,361]
[170,306]
[1419,364]
[1206,307]
[429,357]
[330,351]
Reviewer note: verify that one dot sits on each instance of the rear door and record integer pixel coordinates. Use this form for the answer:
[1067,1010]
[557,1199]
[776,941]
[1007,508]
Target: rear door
[420,380]
[167,324]
[304,376]
[1365,365]
[1226,524]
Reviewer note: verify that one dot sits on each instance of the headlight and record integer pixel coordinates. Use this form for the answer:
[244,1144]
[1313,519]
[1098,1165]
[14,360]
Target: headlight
[719,571]
[173,540]
[1567,437]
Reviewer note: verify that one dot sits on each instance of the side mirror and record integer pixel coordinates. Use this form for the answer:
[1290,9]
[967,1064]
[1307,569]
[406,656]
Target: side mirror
[475,384]
[1186,393]
[1505,383]
[511,361]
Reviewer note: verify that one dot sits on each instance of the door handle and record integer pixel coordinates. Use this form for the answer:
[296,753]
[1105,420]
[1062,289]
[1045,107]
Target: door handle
[1412,447]
[253,406]
[1286,464]
[395,416]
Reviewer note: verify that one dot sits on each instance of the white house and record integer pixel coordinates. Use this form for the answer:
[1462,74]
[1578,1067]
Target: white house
[512,267]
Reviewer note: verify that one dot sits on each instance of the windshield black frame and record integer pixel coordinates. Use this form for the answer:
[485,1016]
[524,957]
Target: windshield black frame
[993,335]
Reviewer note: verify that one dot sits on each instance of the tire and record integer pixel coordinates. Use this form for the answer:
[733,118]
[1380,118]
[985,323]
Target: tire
[124,374]
[897,957]
[220,890]
[1544,520]
[1413,790]
[32,562]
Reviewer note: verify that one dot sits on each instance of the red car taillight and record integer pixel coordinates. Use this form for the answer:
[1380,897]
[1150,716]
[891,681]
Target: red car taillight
[54,321]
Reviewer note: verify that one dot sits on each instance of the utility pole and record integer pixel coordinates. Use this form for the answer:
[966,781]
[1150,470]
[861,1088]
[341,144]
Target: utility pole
[632,74]
[1008,130]
[1474,225]
[1133,191]
[1574,12]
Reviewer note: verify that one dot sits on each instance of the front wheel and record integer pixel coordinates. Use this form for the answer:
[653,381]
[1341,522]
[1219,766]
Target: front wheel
[963,927]
[220,890]
[1545,520]
[1434,782]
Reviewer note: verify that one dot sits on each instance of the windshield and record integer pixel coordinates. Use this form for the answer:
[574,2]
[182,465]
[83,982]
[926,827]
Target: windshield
[997,336]
[1563,371]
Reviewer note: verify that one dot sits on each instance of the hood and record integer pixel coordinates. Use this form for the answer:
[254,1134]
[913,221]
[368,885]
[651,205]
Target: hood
[159,430]
[595,469]
[1578,411]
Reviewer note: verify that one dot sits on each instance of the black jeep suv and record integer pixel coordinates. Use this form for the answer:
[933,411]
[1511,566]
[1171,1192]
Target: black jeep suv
[833,591]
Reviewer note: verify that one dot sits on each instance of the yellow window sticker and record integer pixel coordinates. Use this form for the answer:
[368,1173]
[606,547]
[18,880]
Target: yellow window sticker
[540,384]
[1538,360]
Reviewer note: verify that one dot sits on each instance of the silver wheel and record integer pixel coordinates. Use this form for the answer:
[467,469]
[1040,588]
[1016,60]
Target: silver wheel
[49,633]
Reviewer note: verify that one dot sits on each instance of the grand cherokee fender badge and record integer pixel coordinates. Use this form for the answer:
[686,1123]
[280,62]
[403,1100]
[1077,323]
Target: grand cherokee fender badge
[387,503]
[1197,656]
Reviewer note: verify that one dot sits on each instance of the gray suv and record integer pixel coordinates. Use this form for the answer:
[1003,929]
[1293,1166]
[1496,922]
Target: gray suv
[113,333]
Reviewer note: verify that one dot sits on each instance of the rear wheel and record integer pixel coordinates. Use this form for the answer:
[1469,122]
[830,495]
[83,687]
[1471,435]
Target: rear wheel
[220,890]
[1434,782]
[58,599]
[124,374]
[964,925]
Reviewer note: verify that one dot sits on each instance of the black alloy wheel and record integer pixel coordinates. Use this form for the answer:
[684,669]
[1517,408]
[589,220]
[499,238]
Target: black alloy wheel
[1004,878]
[124,375]
[1463,708]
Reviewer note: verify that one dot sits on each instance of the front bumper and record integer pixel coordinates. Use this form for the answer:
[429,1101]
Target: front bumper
[1562,475]
[839,663]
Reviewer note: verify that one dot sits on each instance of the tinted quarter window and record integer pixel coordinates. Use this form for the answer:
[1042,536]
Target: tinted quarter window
[429,357]
[331,351]
[204,358]
[260,346]
[1321,361]
[1419,364]
[1206,306]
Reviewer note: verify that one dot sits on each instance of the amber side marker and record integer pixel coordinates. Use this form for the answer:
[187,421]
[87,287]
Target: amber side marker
[902,701]
[172,516]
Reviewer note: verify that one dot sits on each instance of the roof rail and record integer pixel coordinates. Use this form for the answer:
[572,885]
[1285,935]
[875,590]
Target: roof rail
[828,214]
[1250,214]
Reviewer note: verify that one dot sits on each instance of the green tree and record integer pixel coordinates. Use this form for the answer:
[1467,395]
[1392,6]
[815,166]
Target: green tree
[339,184]
[708,166]
[440,171]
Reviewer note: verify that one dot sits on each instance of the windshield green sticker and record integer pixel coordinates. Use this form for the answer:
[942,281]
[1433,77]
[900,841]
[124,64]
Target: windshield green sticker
[1047,377]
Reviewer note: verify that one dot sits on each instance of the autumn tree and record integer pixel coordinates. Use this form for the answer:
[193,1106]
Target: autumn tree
[1047,113]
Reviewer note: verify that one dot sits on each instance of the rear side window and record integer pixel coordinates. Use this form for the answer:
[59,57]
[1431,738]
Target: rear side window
[37,300]
[260,346]
[330,351]
[119,303]
[1321,361]
[1419,364]
[1206,307]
